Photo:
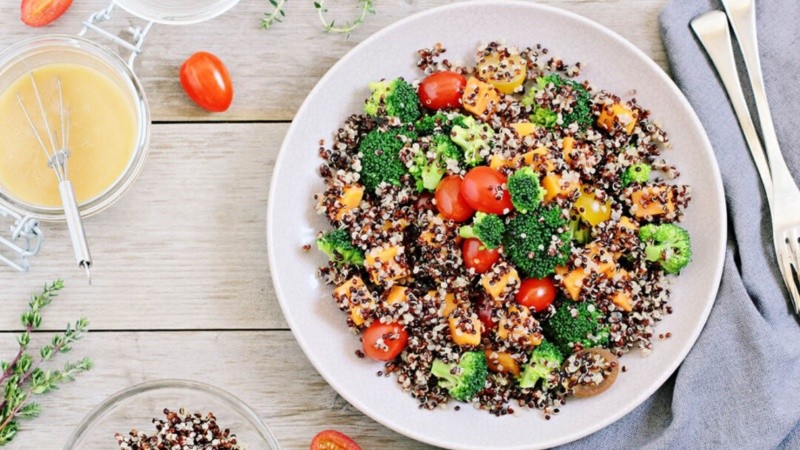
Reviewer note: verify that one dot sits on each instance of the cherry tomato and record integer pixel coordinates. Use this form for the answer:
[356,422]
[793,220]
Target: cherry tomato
[38,13]
[477,256]
[425,201]
[480,188]
[206,81]
[449,200]
[394,336]
[333,440]
[485,312]
[536,293]
[442,90]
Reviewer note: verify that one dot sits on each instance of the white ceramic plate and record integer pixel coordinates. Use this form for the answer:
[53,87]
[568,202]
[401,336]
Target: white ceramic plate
[611,63]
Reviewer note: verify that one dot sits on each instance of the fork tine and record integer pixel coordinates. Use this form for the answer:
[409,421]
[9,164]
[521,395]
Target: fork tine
[794,243]
[786,271]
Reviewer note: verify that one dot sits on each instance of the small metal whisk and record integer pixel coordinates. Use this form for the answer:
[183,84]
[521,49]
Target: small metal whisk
[57,159]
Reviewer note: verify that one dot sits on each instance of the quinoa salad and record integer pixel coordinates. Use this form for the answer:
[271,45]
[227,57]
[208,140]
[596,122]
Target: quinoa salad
[501,232]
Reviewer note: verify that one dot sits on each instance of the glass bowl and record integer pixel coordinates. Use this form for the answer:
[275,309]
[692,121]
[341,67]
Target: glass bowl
[176,12]
[26,56]
[136,406]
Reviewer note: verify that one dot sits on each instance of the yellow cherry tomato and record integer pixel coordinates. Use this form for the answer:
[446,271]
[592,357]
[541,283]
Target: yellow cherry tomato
[506,73]
[591,210]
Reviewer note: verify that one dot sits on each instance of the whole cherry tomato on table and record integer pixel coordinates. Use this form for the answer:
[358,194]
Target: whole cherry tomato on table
[394,337]
[486,190]
[442,90]
[38,13]
[333,440]
[450,202]
[477,256]
[536,293]
[206,80]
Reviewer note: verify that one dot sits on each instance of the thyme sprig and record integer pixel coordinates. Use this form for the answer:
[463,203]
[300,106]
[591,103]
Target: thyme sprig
[22,378]
[275,16]
[348,27]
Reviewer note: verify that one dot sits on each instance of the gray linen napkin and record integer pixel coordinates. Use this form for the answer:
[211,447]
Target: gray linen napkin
[739,388]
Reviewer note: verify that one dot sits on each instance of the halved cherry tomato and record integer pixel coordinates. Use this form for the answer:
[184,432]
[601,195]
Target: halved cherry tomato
[480,190]
[536,293]
[485,312]
[206,81]
[425,202]
[442,90]
[333,440]
[394,337]
[449,200]
[38,13]
[477,256]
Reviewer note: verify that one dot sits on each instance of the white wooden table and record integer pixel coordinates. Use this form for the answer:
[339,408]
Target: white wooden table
[181,280]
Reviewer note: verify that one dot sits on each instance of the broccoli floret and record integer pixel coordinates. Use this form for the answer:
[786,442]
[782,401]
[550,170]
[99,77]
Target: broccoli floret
[545,360]
[473,137]
[380,161]
[488,228]
[580,112]
[428,172]
[584,328]
[396,98]
[526,192]
[637,173]
[668,245]
[469,378]
[339,248]
[439,122]
[580,230]
[537,242]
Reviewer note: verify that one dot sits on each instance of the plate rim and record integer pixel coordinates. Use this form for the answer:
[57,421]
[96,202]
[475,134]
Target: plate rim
[674,90]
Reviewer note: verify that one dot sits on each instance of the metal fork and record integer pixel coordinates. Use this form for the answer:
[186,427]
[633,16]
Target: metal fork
[782,192]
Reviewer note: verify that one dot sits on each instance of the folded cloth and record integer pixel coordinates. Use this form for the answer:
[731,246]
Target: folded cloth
[739,388]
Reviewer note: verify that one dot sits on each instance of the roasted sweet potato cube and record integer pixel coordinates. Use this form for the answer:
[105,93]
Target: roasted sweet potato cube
[480,98]
[350,199]
[356,296]
[502,362]
[618,113]
[648,201]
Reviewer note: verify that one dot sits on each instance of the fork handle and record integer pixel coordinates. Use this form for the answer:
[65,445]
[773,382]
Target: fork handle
[712,30]
[742,15]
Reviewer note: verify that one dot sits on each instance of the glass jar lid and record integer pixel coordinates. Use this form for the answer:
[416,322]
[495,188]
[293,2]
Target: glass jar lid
[176,12]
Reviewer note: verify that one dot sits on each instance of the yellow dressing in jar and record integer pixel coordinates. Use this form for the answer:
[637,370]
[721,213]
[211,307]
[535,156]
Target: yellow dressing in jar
[102,134]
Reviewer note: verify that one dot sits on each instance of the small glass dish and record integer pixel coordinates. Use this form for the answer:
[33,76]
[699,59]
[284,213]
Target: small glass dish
[137,406]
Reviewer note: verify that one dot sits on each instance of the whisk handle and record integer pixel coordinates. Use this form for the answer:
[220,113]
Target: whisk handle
[75,225]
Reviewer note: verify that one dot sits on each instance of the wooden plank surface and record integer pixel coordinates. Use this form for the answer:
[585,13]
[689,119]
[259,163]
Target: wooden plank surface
[274,69]
[184,249]
[183,256]
[266,369]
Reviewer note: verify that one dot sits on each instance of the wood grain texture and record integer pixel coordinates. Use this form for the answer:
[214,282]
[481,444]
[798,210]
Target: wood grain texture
[273,70]
[185,248]
[266,369]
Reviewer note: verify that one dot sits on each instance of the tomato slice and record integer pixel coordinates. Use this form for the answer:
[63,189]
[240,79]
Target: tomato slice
[442,90]
[477,256]
[207,81]
[536,293]
[393,335]
[486,190]
[449,200]
[38,13]
[333,440]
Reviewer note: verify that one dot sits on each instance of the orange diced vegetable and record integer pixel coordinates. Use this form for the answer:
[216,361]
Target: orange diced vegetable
[465,338]
[358,310]
[555,187]
[350,199]
[501,286]
[524,128]
[383,265]
[618,113]
[502,362]
[480,98]
[397,294]
[646,202]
